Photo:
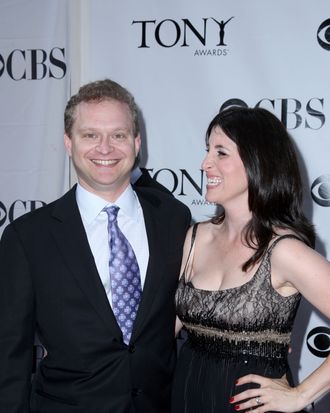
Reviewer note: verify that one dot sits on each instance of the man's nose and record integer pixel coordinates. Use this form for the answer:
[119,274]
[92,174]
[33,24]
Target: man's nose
[105,144]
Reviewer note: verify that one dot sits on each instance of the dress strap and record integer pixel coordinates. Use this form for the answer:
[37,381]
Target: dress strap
[193,236]
[270,249]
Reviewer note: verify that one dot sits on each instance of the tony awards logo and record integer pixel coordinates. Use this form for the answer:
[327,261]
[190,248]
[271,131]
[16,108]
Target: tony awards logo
[209,35]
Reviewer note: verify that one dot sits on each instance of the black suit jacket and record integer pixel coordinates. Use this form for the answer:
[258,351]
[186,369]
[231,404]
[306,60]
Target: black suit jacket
[146,180]
[49,283]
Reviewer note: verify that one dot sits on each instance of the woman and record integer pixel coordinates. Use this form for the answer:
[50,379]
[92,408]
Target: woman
[243,275]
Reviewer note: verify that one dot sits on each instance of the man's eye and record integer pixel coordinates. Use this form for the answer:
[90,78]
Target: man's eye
[90,135]
[119,137]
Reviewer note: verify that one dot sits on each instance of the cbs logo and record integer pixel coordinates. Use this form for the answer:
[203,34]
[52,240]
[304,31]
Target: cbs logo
[323,35]
[318,341]
[320,190]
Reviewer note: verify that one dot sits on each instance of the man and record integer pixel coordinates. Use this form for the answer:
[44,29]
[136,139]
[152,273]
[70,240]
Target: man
[60,279]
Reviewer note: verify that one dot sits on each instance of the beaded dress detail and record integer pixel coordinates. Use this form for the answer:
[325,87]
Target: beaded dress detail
[230,333]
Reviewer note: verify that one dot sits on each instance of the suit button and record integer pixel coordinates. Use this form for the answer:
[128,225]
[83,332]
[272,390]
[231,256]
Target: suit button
[136,392]
[131,348]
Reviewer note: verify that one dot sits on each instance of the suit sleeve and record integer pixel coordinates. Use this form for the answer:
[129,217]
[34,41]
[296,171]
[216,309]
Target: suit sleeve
[17,324]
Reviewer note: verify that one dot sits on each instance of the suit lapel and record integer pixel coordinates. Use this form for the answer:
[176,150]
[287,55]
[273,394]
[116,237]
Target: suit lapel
[71,240]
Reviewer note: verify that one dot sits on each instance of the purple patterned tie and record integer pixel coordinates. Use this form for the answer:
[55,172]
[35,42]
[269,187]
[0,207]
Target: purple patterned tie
[124,276]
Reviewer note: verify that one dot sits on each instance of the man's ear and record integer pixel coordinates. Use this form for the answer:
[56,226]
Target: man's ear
[137,144]
[67,144]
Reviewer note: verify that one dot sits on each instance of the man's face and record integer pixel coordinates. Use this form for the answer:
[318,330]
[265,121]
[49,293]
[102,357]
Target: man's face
[103,147]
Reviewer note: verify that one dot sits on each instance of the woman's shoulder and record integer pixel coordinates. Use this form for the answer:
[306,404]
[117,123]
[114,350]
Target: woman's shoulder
[203,229]
[289,252]
[285,236]
[286,242]
[296,264]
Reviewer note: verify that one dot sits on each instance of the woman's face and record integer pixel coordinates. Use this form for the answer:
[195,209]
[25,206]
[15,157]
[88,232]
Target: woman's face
[226,177]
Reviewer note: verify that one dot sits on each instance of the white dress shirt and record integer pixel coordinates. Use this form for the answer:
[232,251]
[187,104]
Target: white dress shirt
[130,221]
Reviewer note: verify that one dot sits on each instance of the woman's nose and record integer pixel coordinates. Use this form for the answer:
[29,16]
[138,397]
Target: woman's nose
[206,164]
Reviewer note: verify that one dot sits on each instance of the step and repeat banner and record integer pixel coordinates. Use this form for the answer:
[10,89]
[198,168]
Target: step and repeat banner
[186,60]
[34,86]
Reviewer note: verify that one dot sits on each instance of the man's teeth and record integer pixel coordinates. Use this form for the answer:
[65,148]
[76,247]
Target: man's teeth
[214,181]
[103,162]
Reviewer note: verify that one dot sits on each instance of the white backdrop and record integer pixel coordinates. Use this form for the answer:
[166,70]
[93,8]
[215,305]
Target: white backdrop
[34,87]
[34,81]
[182,68]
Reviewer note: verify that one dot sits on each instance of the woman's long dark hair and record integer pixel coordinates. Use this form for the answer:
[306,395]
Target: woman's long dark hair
[274,182]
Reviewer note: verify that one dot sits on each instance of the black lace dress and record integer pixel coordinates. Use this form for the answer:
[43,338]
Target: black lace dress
[230,333]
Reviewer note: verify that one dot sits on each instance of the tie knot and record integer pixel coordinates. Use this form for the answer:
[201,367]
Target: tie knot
[112,212]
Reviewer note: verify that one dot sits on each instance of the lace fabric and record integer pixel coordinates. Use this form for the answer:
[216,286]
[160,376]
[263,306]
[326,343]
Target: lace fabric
[252,317]
[231,333]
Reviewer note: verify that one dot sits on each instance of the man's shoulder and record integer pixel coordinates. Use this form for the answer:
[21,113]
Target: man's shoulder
[161,198]
[44,212]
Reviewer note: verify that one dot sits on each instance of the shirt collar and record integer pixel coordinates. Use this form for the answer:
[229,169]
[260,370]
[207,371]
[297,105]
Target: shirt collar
[90,205]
